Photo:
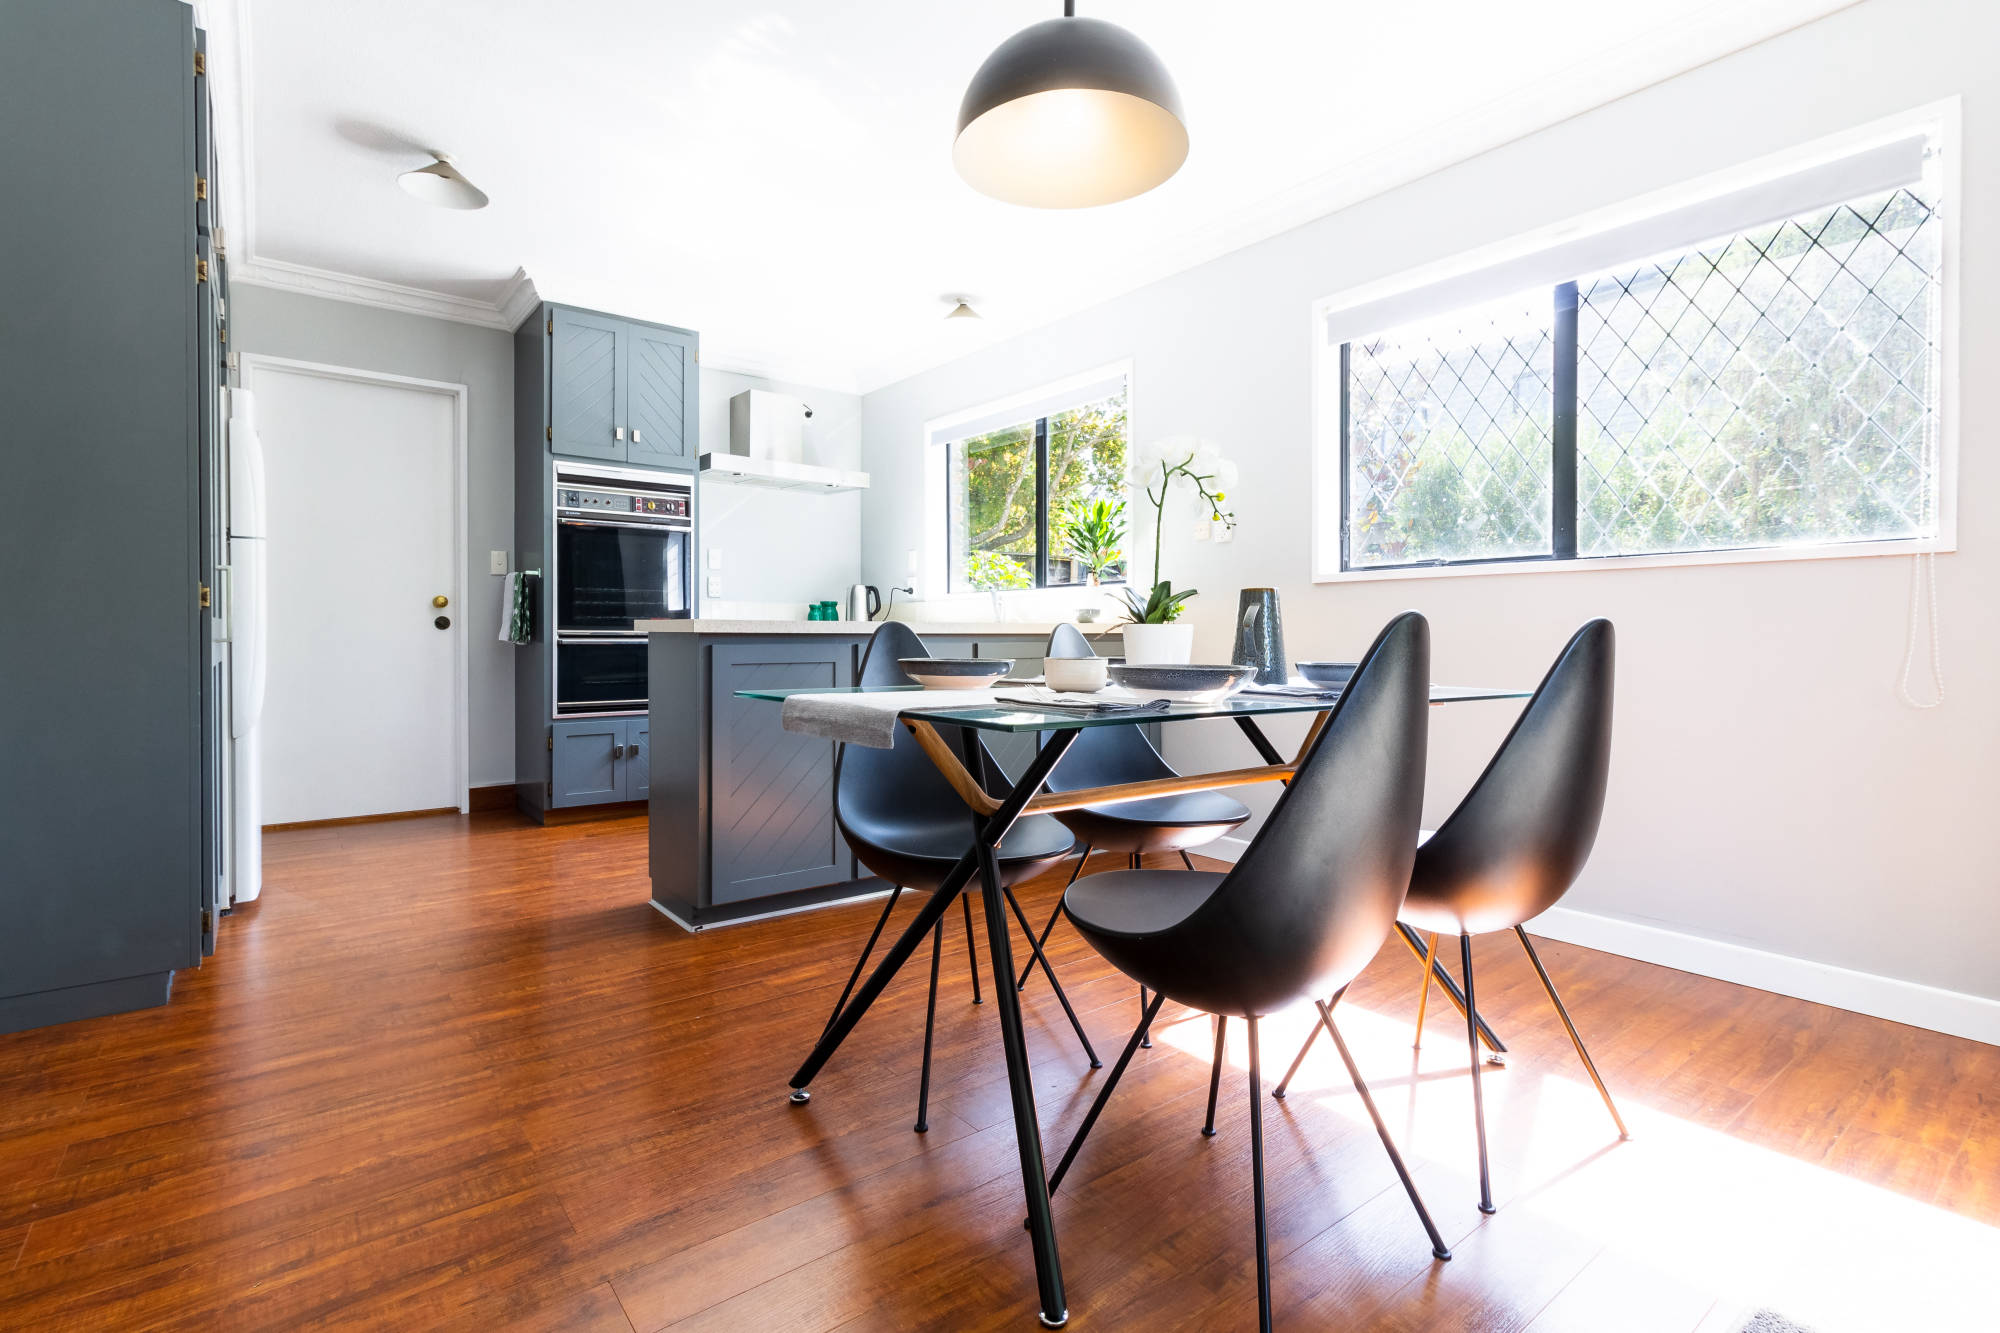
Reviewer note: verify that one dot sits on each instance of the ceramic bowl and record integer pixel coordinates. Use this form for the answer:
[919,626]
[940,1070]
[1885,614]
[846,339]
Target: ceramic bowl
[955,673]
[1327,673]
[1075,675]
[1197,683]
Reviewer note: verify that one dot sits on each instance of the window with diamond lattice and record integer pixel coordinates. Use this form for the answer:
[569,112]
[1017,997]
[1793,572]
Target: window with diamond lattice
[1774,388]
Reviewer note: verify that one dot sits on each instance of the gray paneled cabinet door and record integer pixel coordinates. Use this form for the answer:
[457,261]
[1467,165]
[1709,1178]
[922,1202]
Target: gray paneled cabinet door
[638,779]
[586,382]
[771,827]
[660,407]
[584,762]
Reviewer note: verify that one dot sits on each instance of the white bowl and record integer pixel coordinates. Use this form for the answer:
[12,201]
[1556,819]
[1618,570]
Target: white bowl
[1076,675]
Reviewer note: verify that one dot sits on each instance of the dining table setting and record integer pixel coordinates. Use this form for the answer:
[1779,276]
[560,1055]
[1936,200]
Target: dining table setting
[946,707]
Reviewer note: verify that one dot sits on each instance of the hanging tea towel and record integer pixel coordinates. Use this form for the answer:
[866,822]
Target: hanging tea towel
[516,612]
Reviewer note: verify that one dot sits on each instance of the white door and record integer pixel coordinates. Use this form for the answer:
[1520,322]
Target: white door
[361,713]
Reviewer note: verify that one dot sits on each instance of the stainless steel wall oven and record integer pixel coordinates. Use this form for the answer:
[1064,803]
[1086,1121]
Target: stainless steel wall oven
[624,551]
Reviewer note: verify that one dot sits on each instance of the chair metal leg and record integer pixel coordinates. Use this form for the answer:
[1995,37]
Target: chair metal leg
[1424,1001]
[862,961]
[1050,973]
[1257,1187]
[1145,1026]
[930,1022]
[1103,1096]
[1297,1060]
[1075,870]
[1438,1246]
[1478,1097]
[1449,985]
[971,949]
[1215,1075]
[1187,860]
[1589,1065]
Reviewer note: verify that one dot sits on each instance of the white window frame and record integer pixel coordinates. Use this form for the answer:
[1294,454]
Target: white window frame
[940,432]
[1940,121]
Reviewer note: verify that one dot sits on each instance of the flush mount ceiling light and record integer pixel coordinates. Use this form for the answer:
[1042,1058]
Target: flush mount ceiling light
[1070,113]
[442,184]
[961,308]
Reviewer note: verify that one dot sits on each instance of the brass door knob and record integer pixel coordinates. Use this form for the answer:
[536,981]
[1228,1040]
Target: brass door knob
[440,601]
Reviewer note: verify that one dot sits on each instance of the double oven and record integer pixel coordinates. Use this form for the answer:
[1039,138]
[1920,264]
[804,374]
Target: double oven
[623,551]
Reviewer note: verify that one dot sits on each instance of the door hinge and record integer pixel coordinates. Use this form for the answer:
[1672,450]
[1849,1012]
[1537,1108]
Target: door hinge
[207,922]
[549,433]
[201,187]
[201,270]
[552,742]
[552,325]
[200,64]
[204,594]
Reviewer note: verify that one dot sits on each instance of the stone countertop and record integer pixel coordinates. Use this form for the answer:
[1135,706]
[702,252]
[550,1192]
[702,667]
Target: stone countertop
[862,628]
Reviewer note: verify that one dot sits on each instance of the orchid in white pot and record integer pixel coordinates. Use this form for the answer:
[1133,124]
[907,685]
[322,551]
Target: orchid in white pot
[1153,632]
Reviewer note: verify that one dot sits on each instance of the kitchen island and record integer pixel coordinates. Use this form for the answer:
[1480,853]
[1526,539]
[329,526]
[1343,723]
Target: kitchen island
[741,810]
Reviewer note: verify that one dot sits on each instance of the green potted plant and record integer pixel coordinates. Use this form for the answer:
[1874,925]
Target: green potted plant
[1092,532]
[1153,630]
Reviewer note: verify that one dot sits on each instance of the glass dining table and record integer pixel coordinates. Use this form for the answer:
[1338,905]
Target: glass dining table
[990,816]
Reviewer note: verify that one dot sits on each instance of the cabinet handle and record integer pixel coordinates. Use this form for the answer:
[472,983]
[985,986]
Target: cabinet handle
[617,432]
[635,434]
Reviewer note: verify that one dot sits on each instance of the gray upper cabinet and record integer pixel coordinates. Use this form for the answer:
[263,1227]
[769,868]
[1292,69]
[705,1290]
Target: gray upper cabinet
[660,408]
[586,385]
[620,391]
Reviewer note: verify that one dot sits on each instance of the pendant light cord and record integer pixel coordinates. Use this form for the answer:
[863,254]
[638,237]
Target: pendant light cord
[1069,9]
[1923,578]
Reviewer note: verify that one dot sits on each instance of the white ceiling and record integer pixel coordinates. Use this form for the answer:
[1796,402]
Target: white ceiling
[778,175]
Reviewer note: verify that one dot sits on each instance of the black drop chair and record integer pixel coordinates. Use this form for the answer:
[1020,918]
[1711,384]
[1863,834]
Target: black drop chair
[1304,909]
[1102,756]
[1518,840]
[909,827]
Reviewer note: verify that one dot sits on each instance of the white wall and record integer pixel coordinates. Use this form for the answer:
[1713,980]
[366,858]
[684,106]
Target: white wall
[1769,790]
[341,333]
[782,549]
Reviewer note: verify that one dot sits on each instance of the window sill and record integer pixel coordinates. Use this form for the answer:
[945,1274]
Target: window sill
[1599,564]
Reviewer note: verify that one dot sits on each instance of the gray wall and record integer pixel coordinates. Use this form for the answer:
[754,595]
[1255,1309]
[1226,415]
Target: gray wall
[271,322]
[1768,788]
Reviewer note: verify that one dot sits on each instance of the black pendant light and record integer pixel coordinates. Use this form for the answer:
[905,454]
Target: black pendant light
[1070,113]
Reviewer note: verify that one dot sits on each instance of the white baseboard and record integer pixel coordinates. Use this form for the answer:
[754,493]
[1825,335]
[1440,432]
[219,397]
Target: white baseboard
[1952,1012]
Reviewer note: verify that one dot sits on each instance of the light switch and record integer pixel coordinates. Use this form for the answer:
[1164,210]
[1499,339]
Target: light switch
[715,557]
[714,585]
[496,562]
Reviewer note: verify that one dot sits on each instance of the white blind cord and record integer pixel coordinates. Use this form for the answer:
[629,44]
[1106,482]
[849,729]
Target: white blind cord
[1923,576]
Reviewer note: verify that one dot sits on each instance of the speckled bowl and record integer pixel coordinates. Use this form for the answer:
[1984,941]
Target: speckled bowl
[1327,673]
[1197,683]
[956,673]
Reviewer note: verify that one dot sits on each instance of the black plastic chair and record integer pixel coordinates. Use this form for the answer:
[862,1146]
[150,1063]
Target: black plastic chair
[1518,840]
[1304,909]
[1104,756]
[909,827]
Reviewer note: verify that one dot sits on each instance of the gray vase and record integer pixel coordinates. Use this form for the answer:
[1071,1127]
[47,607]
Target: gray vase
[1260,635]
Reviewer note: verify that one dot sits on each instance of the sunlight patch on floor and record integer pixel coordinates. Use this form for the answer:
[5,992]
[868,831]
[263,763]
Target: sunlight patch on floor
[1739,1221]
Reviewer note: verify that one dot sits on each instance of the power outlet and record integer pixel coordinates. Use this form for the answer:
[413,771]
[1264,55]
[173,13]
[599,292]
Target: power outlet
[714,585]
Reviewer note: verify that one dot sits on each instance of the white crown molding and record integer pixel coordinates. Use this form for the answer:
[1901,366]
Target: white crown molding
[519,300]
[320,282]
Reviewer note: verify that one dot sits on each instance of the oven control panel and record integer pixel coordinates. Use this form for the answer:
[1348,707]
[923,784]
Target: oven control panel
[647,506]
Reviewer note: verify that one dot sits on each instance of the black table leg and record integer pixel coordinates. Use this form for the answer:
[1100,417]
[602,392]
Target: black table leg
[1014,1039]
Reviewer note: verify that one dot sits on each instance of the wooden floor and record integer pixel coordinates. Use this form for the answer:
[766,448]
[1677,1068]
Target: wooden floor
[454,1073]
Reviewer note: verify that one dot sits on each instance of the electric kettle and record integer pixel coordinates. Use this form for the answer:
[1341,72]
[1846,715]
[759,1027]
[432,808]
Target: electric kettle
[864,601]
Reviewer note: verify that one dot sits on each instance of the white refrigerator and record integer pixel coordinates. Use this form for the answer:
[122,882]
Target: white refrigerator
[244,606]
